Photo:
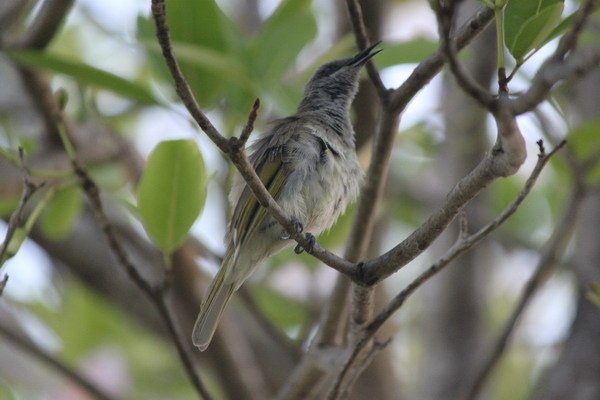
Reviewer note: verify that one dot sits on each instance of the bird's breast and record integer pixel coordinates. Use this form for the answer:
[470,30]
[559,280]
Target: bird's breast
[330,189]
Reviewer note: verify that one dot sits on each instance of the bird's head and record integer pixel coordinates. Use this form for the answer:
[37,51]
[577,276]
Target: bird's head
[336,82]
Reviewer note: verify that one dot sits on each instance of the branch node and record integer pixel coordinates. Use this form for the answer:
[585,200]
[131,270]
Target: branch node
[235,145]
[249,127]
[463,226]
[541,148]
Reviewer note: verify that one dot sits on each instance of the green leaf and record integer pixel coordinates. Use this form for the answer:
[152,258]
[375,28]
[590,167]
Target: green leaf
[528,23]
[227,67]
[61,213]
[8,205]
[282,311]
[593,295]
[86,323]
[171,192]
[199,23]
[19,236]
[411,52]
[535,208]
[85,74]
[560,29]
[584,140]
[281,38]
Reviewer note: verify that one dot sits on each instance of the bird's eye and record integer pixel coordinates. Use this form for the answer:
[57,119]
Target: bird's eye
[329,70]
[326,71]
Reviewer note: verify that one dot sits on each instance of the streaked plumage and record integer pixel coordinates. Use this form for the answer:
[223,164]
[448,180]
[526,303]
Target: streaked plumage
[308,163]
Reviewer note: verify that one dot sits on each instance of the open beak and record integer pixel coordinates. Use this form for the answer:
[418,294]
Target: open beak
[364,55]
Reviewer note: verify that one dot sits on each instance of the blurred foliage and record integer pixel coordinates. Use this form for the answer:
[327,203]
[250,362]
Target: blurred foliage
[508,382]
[85,74]
[86,323]
[529,24]
[282,311]
[61,212]
[593,294]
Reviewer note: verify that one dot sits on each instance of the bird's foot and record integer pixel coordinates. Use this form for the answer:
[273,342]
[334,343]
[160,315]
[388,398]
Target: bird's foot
[311,244]
[284,235]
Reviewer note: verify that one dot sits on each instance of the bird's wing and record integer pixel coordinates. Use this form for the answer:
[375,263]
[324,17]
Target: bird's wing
[269,161]
[248,214]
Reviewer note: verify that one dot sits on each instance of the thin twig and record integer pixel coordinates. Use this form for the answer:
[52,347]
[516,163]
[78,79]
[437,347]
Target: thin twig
[459,248]
[445,15]
[42,29]
[307,372]
[3,283]
[569,40]
[82,382]
[292,348]
[181,85]
[16,219]
[63,127]
[554,248]
[249,127]
[431,66]
[362,41]
[376,177]
[156,294]
[48,19]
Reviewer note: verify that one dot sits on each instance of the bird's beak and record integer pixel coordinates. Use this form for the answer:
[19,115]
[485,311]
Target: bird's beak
[364,55]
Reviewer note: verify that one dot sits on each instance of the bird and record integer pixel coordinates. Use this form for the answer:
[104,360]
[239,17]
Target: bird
[308,163]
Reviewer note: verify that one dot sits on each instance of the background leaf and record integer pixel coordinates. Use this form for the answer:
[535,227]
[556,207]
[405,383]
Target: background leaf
[171,192]
[410,52]
[277,45]
[199,23]
[584,141]
[85,74]
[61,213]
[528,23]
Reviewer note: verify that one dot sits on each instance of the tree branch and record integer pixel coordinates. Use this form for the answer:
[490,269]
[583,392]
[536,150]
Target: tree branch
[40,33]
[156,294]
[554,248]
[181,86]
[45,25]
[64,128]
[310,373]
[504,159]
[362,42]
[430,67]
[16,218]
[445,15]
[234,148]
[550,73]
[463,244]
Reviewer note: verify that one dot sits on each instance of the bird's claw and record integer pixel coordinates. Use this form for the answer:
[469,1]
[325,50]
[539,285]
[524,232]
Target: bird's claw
[285,235]
[311,244]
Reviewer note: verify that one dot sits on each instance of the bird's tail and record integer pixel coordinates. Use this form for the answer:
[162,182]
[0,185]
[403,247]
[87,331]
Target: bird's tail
[219,294]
